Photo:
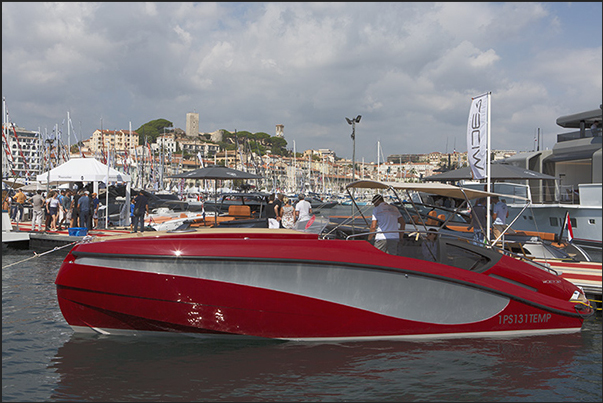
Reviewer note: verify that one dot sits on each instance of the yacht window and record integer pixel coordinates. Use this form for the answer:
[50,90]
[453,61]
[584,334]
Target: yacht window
[590,221]
[553,221]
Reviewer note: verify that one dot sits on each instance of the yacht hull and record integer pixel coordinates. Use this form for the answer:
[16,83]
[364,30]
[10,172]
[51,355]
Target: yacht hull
[297,287]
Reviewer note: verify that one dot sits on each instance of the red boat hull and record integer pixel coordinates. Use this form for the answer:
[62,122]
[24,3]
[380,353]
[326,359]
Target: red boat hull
[305,289]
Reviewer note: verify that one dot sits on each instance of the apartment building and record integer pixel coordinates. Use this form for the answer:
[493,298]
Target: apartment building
[23,152]
[118,140]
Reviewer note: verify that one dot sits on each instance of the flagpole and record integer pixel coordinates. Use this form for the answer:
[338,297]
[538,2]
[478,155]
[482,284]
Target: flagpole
[488,148]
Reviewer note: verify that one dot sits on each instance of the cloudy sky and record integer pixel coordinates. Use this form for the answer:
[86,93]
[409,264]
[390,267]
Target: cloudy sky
[410,69]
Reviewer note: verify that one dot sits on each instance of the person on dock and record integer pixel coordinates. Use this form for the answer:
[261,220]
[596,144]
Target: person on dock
[47,216]
[19,199]
[53,209]
[141,207]
[83,207]
[132,214]
[272,212]
[37,201]
[95,205]
[288,218]
[6,203]
[386,222]
[66,207]
[75,214]
[278,201]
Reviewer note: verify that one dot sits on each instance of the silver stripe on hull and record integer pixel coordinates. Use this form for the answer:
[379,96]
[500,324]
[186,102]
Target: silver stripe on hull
[395,294]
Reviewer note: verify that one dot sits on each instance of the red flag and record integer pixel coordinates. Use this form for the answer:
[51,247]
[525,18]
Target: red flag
[570,232]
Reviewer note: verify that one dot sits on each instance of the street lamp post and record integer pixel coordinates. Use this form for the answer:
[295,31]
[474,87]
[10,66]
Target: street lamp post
[353,123]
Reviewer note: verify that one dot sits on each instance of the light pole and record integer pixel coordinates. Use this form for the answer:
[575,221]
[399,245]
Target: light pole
[353,123]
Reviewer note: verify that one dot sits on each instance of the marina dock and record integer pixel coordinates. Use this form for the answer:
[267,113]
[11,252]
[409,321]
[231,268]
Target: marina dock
[22,237]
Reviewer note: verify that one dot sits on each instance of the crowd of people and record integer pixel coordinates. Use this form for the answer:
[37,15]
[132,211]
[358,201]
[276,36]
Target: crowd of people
[282,214]
[55,210]
[66,208]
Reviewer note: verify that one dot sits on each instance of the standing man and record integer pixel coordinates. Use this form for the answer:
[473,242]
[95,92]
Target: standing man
[386,222]
[83,207]
[95,204]
[272,212]
[66,207]
[478,221]
[303,209]
[20,199]
[75,215]
[37,201]
[141,207]
[500,212]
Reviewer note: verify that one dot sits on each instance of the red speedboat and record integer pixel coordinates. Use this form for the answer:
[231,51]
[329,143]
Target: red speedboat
[289,285]
[294,285]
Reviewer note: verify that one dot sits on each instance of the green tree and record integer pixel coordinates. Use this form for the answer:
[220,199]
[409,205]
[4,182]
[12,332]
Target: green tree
[153,129]
[279,146]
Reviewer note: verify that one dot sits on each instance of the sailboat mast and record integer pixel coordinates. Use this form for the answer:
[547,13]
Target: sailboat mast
[68,138]
[378,161]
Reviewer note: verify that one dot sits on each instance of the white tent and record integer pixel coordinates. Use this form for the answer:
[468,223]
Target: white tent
[83,170]
[86,170]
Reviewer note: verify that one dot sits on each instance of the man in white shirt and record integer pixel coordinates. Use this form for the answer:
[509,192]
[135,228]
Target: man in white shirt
[500,212]
[386,221]
[303,209]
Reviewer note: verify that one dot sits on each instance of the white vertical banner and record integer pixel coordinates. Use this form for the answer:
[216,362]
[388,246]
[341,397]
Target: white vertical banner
[477,128]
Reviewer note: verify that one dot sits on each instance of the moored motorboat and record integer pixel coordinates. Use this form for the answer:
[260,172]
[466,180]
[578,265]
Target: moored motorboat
[288,284]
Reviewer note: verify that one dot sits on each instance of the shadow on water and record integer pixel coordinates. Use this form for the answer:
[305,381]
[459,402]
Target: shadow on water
[99,368]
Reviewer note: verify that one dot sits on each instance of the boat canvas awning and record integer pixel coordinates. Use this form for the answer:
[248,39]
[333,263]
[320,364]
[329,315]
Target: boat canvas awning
[436,188]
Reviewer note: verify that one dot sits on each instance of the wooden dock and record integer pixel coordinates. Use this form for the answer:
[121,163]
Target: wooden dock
[48,240]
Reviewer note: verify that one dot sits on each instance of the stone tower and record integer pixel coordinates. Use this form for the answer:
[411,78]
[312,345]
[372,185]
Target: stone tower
[192,124]
[280,130]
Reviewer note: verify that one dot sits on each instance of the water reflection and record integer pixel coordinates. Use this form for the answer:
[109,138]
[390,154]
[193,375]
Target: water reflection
[97,368]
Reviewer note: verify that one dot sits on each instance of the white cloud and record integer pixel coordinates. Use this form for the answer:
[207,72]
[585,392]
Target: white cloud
[409,69]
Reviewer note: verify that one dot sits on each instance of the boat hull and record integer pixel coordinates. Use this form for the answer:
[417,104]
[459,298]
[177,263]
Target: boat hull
[587,229]
[307,289]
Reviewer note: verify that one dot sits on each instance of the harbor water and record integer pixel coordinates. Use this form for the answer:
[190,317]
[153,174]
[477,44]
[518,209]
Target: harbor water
[44,360]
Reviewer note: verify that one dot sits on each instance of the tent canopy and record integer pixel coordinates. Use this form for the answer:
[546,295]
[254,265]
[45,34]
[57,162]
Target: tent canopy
[83,170]
[497,172]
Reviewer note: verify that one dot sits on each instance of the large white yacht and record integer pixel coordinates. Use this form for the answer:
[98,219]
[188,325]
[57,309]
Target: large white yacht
[575,161]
